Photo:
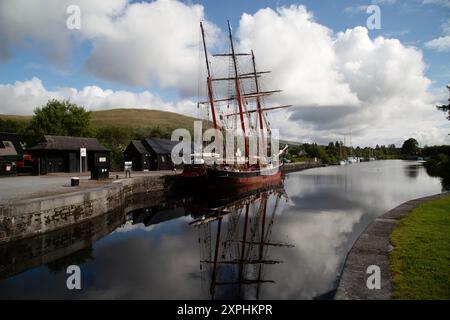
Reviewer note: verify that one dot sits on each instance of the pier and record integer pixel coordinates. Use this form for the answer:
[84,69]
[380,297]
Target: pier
[33,205]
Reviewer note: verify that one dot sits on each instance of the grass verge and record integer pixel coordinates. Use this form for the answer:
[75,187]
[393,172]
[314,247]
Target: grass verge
[420,262]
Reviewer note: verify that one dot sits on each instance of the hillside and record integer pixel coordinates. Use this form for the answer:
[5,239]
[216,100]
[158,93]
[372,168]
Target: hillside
[136,119]
[133,118]
[15,118]
[140,118]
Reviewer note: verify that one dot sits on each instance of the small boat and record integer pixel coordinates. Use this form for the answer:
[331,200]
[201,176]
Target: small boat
[352,160]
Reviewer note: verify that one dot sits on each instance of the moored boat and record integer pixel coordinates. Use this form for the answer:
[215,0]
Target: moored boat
[244,114]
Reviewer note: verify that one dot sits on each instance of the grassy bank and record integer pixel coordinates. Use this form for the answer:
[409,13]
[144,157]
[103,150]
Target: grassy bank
[420,262]
[128,118]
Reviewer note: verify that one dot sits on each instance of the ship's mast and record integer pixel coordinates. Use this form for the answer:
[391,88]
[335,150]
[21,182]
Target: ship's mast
[209,80]
[238,92]
[240,96]
[258,106]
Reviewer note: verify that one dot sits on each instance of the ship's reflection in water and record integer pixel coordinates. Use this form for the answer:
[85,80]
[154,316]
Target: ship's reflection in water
[281,243]
[235,241]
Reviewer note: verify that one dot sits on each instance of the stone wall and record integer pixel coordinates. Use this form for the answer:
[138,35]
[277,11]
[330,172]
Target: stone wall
[299,166]
[73,244]
[27,218]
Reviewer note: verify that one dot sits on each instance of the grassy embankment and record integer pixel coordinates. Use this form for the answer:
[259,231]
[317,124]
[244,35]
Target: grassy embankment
[130,118]
[420,262]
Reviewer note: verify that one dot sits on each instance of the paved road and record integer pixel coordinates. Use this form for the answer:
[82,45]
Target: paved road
[27,187]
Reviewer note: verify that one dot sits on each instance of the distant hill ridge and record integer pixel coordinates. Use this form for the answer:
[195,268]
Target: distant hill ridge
[133,118]
[137,118]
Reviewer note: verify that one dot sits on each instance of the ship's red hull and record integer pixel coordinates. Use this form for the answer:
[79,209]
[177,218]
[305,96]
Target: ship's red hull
[226,185]
[217,181]
[220,181]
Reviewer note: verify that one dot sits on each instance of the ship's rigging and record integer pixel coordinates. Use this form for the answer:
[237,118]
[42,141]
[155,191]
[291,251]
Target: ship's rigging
[242,108]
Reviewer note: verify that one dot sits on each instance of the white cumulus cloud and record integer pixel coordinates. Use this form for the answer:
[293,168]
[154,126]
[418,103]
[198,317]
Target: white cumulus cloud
[40,25]
[342,82]
[300,53]
[337,82]
[23,97]
[439,44]
[137,44]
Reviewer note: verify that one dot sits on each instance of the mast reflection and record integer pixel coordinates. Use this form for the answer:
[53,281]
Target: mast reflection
[234,239]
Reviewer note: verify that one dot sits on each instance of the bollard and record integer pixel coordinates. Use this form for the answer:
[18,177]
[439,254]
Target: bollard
[74,182]
[127,168]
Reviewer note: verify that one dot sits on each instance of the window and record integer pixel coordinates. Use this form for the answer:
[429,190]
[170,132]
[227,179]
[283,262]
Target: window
[163,159]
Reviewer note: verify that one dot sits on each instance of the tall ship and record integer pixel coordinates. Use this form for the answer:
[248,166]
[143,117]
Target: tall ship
[236,103]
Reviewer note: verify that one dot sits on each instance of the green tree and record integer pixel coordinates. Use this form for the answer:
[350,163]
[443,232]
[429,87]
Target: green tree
[446,108]
[115,139]
[410,147]
[12,126]
[59,118]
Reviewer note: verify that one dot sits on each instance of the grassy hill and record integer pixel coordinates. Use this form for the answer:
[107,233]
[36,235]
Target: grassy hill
[15,118]
[140,118]
[131,118]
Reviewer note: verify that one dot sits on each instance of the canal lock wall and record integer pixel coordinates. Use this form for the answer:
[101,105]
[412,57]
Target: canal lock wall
[299,166]
[32,217]
[28,218]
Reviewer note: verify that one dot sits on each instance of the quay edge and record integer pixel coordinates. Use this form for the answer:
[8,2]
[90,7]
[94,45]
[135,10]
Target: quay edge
[27,218]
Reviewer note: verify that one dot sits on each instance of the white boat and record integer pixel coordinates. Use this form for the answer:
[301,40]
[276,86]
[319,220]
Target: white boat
[352,160]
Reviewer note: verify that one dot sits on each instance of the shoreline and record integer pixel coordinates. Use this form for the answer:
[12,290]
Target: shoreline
[20,219]
[372,248]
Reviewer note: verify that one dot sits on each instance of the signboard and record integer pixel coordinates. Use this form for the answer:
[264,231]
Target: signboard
[83,152]
[102,159]
[128,165]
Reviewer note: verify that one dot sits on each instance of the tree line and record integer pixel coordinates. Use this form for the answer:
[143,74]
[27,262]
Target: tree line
[336,151]
[63,118]
[67,119]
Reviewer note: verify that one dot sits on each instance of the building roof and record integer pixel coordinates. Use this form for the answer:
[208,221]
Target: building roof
[64,143]
[161,146]
[15,139]
[139,146]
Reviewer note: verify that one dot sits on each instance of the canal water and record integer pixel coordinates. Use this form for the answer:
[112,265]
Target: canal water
[289,242]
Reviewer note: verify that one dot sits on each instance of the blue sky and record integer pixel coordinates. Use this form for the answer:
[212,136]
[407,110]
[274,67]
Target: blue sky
[107,63]
[412,22]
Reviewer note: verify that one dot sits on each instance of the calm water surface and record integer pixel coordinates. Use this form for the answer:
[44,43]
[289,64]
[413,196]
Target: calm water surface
[286,243]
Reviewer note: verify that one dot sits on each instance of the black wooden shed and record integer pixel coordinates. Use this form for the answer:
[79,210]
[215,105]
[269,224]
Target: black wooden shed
[62,153]
[150,154]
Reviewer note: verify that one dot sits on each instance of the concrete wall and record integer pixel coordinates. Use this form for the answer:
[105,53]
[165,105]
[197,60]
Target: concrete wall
[299,166]
[32,217]
[24,254]
[27,218]
[62,247]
